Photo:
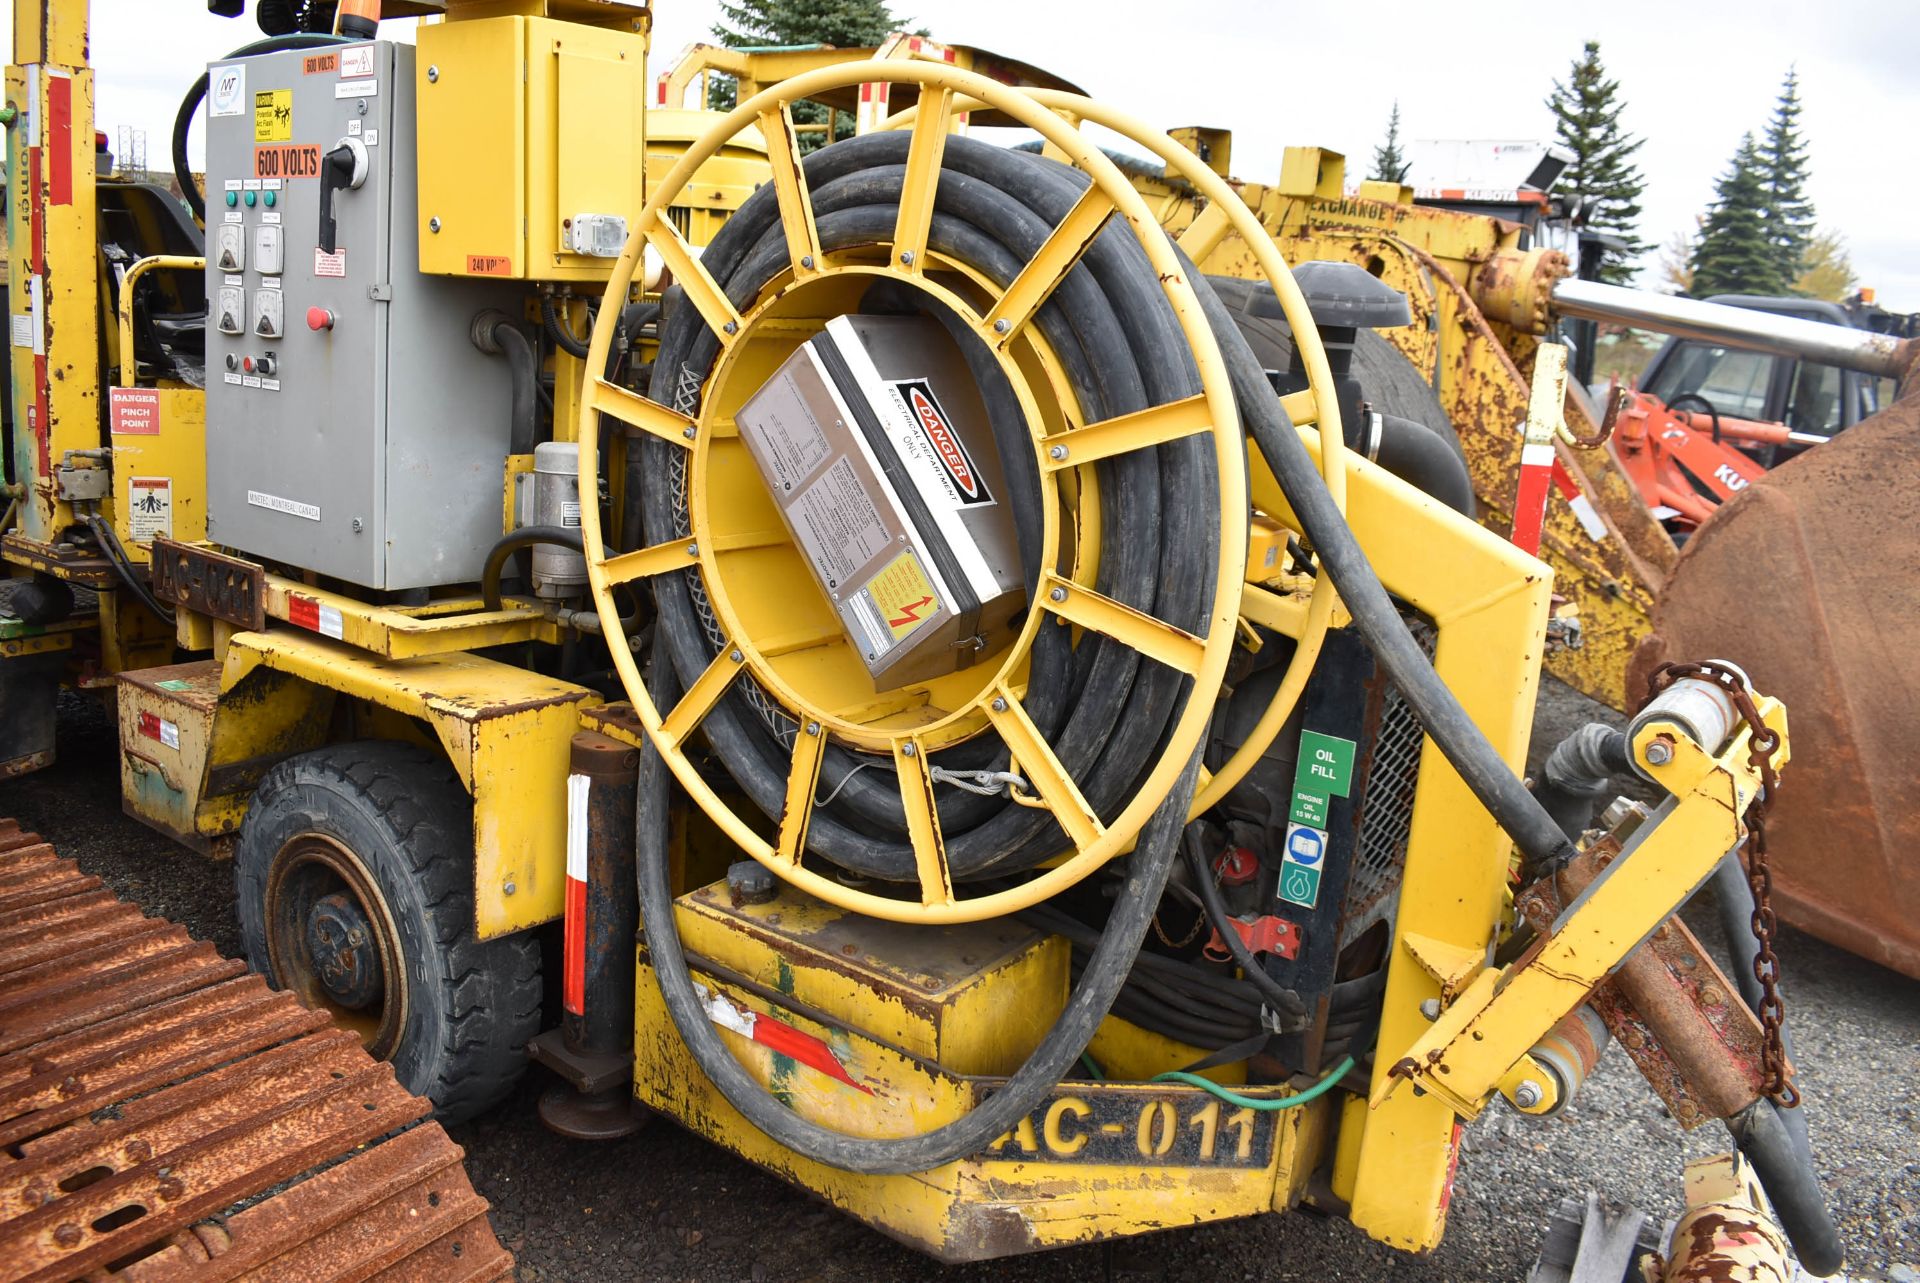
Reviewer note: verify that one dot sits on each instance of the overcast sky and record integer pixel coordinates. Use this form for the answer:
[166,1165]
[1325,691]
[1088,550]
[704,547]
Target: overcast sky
[1695,74]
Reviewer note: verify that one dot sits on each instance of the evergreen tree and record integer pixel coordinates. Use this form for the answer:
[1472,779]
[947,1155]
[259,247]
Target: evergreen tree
[1389,164]
[1586,112]
[1790,222]
[1736,254]
[844,24]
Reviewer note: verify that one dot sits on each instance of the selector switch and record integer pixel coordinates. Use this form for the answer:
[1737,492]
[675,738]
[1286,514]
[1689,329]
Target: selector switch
[269,314]
[267,258]
[231,312]
[230,248]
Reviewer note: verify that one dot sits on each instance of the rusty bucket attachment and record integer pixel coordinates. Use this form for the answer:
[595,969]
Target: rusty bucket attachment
[1808,575]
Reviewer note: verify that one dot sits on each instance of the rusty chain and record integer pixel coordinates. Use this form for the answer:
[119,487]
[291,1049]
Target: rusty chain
[1777,1073]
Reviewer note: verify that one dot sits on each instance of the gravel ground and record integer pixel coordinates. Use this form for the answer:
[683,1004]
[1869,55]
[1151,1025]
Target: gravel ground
[665,1206]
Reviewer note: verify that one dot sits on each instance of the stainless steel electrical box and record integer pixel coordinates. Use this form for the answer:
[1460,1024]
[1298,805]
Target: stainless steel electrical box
[876,446]
[353,429]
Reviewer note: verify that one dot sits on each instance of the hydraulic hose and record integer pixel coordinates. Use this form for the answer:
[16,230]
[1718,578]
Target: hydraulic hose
[557,330]
[1541,843]
[1103,708]
[1419,456]
[1579,772]
[183,119]
[1735,896]
[495,333]
[1285,1002]
[116,556]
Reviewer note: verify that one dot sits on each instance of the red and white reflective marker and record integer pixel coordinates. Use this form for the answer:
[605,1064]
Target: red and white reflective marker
[777,1036]
[1544,410]
[1590,520]
[573,984]
[305,612]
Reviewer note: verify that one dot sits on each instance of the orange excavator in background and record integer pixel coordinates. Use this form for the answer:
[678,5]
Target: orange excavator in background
[1705,419]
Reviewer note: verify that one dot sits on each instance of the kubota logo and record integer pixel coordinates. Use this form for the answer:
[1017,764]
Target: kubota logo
[969,486]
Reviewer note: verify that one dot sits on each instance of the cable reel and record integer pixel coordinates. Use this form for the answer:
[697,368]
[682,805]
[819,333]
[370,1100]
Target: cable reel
[748,576]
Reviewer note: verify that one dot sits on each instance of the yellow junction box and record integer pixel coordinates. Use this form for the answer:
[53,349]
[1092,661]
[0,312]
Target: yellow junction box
[504,173]
[885,1029]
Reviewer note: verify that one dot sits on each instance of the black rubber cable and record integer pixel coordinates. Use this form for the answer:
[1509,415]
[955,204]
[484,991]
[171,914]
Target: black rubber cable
[116,556]
[1283,1000]
[550,318]
[1541,843]
[183,119]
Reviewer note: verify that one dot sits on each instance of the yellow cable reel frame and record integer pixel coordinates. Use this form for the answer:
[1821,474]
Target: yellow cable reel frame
[987,693]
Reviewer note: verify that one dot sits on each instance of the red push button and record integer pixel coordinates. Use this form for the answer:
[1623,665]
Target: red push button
[319,318]
[246,363]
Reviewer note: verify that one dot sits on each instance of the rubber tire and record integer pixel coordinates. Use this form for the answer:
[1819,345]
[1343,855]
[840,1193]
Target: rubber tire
[1390,380]
[473,1004]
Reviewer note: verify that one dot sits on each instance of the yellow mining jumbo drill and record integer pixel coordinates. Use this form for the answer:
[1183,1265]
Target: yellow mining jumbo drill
[987,755]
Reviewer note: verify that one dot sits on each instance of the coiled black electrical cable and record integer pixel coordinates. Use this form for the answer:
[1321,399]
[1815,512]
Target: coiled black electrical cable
[1103,708]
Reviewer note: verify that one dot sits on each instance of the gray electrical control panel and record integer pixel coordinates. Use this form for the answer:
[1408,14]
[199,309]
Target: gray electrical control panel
[353,428]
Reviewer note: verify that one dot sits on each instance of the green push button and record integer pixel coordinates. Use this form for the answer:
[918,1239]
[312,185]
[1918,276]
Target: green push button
[251,198]
[233,198]
[273,198]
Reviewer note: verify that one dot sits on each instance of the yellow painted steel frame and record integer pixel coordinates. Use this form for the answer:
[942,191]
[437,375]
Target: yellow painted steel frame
[506,731]
[407,632]
[1462,1057]
[52,257]
[1002,327]
[1489,603]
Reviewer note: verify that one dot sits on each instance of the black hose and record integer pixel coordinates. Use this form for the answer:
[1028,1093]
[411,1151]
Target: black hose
[1285,1002]
[1579,772]
[1418,456]
[183,119]
[1092,998]
[116,556]
[1542,845]
[523,405]
[511,542]
[550,318]
[1792,1186]
[1735,896]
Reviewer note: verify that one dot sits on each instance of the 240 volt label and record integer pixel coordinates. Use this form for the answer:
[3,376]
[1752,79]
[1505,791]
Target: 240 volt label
[1134,1126]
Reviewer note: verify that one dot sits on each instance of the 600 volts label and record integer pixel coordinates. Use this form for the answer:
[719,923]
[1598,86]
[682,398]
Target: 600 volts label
[293,160]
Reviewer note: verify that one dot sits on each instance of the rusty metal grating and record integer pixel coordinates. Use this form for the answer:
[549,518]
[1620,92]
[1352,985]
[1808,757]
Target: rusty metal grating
[1386,820]
[164,1116]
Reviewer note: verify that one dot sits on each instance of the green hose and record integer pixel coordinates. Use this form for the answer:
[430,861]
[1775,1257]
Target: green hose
[1314,1092]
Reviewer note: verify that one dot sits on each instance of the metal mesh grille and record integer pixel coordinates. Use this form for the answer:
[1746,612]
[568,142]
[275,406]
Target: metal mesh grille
[1393,778]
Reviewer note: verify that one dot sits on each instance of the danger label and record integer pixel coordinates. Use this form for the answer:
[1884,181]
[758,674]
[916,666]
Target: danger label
[290,160]
[149,508]
[325,264]
[136,412]
[962,479]
[489,265]
[273,116]
[319,64]
[357,61]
